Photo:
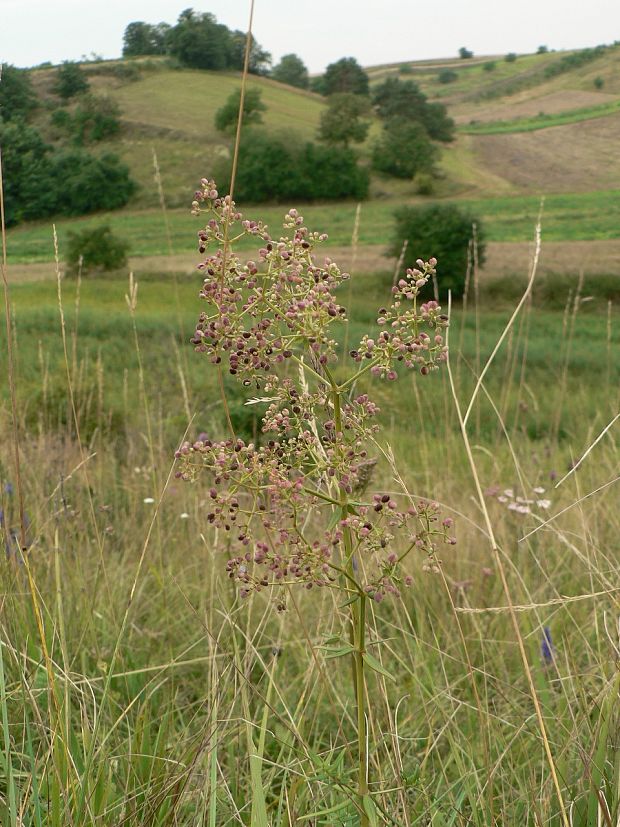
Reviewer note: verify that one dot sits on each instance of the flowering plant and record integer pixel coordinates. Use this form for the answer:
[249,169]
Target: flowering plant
[272,323]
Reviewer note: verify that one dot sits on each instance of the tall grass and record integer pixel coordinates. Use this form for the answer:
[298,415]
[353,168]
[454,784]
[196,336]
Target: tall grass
[135,689]
[148,707]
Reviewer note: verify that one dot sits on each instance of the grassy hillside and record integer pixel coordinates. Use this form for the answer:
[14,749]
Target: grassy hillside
[172,112]
[521,134]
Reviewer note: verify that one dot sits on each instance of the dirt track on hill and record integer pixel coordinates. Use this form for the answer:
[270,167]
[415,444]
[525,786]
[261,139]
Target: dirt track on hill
[505,258]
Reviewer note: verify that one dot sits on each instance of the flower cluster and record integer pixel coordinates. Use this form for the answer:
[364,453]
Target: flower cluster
[406,341]
[295,509]
[518,504]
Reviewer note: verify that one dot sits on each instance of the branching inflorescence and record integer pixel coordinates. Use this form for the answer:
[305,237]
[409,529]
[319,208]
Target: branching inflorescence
[295,505]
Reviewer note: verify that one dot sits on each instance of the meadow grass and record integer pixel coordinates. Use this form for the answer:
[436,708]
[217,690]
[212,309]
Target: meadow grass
[133,685]
[571,217]
[137,689]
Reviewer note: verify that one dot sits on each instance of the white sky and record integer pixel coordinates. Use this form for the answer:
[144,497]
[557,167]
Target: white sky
[320,31]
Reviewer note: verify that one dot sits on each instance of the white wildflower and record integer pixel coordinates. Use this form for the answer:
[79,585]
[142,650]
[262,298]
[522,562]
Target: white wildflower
[148,500]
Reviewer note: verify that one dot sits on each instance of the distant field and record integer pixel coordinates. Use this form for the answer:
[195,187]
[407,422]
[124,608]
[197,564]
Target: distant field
[594,215]
[476,86]
[172,111]
[541,121]
[574,158]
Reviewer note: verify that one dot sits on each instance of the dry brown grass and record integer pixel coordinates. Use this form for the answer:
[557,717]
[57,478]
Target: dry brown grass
[578,157]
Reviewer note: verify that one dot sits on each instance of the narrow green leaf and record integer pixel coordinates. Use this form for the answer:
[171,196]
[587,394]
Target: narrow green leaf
[374,664]
[329,641]
[336,516]
[339,653]
[370,810]
[327,812]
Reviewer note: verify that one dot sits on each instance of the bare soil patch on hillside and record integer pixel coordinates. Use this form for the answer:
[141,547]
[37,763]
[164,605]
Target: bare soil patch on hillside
[578,157]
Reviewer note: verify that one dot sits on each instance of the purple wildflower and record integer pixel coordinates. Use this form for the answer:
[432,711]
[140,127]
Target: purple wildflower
[547,649]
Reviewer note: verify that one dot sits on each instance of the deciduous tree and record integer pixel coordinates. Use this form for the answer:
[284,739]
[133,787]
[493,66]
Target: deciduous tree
[227,115]
[345,75]
[341,123]
[291,70]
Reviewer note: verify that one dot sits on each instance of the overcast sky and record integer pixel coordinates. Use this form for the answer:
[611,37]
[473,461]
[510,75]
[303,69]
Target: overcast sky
[320,31]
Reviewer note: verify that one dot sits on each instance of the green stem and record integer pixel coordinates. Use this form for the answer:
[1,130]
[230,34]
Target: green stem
[357,631]
[358,616]
[353,379]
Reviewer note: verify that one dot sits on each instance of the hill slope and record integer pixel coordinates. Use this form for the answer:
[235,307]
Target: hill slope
[172,112]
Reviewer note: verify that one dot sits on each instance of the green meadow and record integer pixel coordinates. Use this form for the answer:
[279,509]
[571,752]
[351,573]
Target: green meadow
[138,689]
[587,216]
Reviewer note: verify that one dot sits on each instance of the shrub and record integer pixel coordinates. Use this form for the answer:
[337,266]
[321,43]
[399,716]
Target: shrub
[439,230]
[404,149]
[574,61]
[510,57]
[70,81]
[438,123]
[17,97]
[425,183]
[61,118]
[542,50]
[84,183]
[447,76]
[465,54]
[489,66]
[273,168]
[332,173]
[95,119]
[266,169]
[128,72]
[227,115]
[599,82]
[40,182]
[28,188]
[99,250]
